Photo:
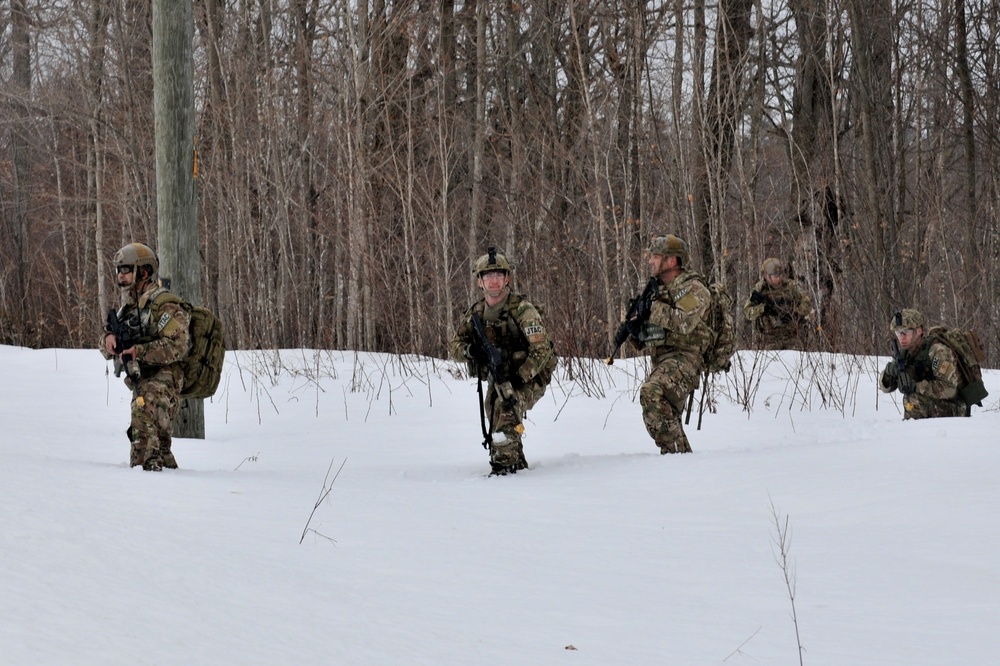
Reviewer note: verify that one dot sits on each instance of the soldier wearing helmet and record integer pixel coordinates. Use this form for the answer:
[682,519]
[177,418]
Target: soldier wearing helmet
[779,309]
[672,328]
[515,327]
[924,370]
[154,326]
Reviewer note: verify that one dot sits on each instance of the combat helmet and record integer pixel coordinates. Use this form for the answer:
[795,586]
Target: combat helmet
[670,246]
[137,255]
[906,318]
[772,266]
[491,261]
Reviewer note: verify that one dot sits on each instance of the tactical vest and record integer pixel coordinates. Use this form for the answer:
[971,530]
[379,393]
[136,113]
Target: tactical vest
[920,366]
[659,341]
[785,303]
[921,363]
[505,332]
[141,318]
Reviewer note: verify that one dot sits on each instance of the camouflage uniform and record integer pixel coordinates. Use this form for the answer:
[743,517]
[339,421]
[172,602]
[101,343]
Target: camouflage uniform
[515,326]
[934,373]
[161,332]
[675,336]
[780,321]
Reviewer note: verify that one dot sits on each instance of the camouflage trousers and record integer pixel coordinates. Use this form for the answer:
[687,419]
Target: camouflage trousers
[917,406]
[663,396]
[152,421]
[507,452]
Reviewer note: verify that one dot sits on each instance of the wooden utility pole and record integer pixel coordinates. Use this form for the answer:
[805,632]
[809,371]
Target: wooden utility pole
[176,202]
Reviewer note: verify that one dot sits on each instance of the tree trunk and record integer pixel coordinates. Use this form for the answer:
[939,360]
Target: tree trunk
[871,39]
[813,200]
[176,206]
[17,236]
[720,117]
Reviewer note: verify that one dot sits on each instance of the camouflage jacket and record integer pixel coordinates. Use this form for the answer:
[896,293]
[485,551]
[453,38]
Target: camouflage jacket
[160,330]
[932,366]
[790,308]
[678,319]
[515,326]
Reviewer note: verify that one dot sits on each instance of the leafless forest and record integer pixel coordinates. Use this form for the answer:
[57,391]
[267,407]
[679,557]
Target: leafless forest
[354,157]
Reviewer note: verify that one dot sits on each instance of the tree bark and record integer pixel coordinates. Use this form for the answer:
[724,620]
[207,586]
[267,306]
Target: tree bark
[178,244]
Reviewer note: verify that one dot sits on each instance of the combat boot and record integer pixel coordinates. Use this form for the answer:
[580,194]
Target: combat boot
[671,439]
[506,455]
[151,460]
[679,445]
[166,456]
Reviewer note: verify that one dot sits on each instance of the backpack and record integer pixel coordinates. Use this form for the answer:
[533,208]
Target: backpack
[969,356]
[720,321]
[203,365]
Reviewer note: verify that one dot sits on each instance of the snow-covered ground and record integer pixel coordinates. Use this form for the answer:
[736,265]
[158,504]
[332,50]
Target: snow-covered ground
[604,552]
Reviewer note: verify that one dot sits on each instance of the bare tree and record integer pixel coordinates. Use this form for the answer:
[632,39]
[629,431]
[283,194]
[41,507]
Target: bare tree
[14,297]
[718,122]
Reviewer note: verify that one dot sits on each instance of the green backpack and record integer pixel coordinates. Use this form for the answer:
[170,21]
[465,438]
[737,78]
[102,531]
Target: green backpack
[720,320]
[203,364]
[969,356]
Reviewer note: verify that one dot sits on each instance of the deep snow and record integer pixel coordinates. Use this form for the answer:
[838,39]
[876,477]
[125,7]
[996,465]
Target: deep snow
[415,557]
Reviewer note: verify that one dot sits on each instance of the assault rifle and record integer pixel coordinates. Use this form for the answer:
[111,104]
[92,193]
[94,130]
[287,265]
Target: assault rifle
[491,357]
[625,329]
[772,307]
[123,341]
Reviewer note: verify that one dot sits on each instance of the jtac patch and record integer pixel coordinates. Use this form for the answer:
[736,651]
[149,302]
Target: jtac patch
[167,324]
[534,332]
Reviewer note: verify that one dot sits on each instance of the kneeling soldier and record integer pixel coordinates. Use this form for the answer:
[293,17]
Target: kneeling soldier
[514,327]
[923,370]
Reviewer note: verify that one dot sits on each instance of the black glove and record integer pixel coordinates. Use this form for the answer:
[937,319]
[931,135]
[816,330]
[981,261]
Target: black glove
[890,376]
[756,298]
[643,308]
[906,383]
[634,327]
[477,354]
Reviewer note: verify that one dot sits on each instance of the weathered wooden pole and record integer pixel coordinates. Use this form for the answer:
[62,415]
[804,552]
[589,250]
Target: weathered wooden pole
[176,200]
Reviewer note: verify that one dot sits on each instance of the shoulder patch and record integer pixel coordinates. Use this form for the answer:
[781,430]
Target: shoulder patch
[687,302]
[167,324]
[535,332]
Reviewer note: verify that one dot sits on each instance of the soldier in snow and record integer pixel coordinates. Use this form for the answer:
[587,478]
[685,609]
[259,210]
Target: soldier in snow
[148,339]
[672,328]
[523,357]
[779,309]
[925,371]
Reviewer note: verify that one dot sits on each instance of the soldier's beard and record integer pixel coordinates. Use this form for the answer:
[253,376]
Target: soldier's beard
[134,288]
